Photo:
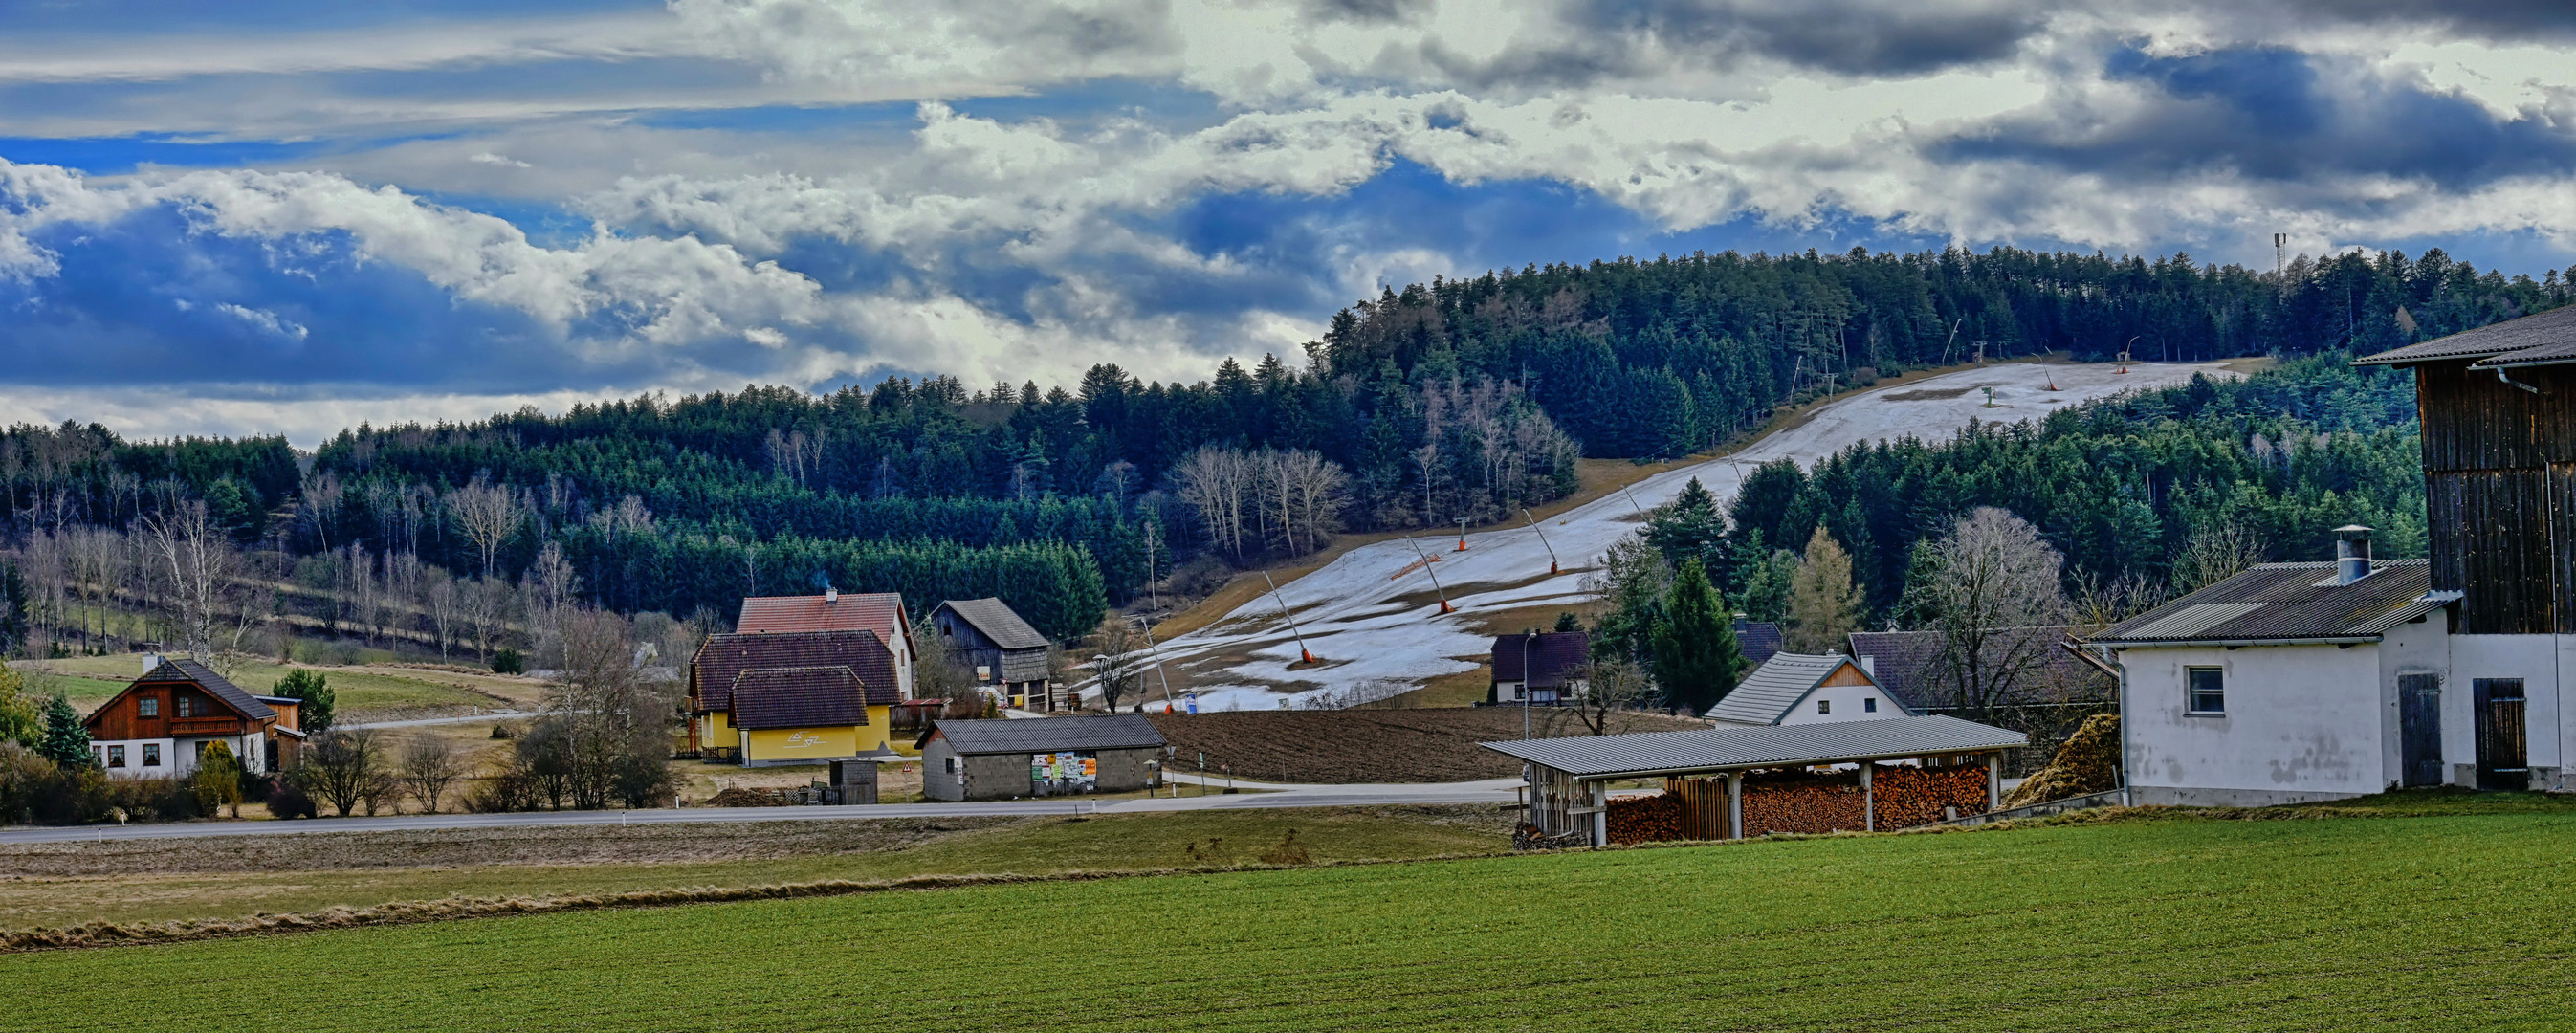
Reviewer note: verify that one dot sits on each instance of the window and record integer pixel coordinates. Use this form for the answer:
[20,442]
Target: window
[116,756]
[2208,689]
[151,754]
[952,765]
[147,706]
[1824,706]
[187,704]
[1869,706]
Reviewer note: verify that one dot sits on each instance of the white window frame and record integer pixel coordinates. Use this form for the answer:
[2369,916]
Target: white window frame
[2191,693]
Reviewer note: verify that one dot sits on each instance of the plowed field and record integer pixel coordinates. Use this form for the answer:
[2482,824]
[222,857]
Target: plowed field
[1345,746]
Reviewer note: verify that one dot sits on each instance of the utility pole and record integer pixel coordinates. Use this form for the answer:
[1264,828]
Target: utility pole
[1525,681]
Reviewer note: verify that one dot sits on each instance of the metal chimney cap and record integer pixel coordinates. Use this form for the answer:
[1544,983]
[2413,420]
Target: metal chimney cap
[2351,531]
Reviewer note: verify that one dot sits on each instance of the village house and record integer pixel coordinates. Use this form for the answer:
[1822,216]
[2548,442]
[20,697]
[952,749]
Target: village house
[1542,668]
[1007,655]
[795,697]
[162,724]
[2312,681]
[834,610]
[1804,689]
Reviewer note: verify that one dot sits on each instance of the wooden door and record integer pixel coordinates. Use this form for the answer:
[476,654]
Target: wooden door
[2419,729]
[2502,757]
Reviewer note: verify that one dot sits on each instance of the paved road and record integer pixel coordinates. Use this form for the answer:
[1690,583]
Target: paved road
[1497,792]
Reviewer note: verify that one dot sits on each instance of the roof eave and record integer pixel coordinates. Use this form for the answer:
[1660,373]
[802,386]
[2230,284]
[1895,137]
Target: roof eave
[2178,643]
[1844,758]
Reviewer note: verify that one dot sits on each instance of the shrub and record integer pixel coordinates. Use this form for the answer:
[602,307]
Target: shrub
[287,801]
[511,790]
[508,661]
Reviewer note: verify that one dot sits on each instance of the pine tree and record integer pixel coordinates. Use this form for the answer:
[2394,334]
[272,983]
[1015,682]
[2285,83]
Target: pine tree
[315,715]
[1697,660]
[1824,604]
[66,739]
[1689,527]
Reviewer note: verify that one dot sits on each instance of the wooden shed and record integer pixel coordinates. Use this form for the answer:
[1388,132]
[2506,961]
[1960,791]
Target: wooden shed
[1007,759]
[987,637]
[1705,771]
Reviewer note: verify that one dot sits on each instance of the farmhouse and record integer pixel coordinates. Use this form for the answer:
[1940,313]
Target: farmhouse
[1543,667]
[160,725]
[1729,782]
[987,637]
[880,612]
[1004,759]
[2296,682]
[799,689]
[1804,689]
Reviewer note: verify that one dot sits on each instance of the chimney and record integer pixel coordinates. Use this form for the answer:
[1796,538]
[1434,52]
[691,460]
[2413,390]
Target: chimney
[831,595]
[150,661]
[1869,666]
[2352,553]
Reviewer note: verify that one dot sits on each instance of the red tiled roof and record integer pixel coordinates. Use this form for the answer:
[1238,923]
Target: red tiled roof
[798,697]
[880,612]
[725,657]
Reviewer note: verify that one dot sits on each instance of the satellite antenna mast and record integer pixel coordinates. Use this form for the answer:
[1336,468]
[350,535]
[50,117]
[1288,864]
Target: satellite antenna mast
[1427,561]
[2280,245]
[1542,540]
[1302,651]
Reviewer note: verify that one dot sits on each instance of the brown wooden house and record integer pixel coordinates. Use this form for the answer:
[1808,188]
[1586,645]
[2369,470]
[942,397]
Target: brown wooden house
[161,724]
[987,637]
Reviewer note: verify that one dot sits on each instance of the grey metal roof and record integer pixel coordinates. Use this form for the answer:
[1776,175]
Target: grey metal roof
[1720,749]
[1769,693]
[215,684]
[2289,601]
[1046,735]
[2530,340]
[998,622]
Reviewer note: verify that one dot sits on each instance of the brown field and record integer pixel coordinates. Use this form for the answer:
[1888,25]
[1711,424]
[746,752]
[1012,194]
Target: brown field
[1345,746]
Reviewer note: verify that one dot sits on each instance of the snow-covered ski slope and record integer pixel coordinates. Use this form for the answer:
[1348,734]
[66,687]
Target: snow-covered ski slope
[1372,614]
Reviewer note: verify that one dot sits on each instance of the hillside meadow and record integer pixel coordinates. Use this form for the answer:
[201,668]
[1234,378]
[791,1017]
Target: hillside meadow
[2449,920]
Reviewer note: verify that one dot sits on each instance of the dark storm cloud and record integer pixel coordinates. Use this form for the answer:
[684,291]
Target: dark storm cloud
[1853,37]
[2501,21]
[2275,114]
[1366,12]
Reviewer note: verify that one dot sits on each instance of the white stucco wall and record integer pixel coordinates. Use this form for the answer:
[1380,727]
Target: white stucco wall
[2304,722]
[1847,705]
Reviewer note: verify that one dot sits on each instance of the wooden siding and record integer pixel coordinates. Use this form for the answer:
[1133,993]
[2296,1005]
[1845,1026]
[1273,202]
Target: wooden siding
[2500,495]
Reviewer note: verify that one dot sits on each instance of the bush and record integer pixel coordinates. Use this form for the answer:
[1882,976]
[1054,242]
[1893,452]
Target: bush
[148,799]
[508,661]
[287,801]
[511,790]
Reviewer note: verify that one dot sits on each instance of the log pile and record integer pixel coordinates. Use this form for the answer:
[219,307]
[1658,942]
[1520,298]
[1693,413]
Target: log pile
[1645,819]
[1801,802]
[1909,796]
[1528,837]
[2088,763]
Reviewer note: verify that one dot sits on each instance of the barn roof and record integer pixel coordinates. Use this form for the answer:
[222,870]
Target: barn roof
[998,622]
[1045,735]
[215,685]
[2535,340]
[2289,602]
[724,657]
[1772,690]
[880,612]
[1720,749]
[1553,656]
[1907,664]
[798,697]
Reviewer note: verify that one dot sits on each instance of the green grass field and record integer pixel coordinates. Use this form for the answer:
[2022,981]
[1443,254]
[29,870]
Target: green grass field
[2446,922]
[360,692]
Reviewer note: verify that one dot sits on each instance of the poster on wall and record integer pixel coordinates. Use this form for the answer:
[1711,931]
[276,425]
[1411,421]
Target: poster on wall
[1076,770]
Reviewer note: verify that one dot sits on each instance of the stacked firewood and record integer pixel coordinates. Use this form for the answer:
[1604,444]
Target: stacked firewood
[1645,819]
[1909,796]
[1799,802]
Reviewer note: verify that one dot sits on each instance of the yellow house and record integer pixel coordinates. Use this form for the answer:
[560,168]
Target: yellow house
[817,696]
[801,715]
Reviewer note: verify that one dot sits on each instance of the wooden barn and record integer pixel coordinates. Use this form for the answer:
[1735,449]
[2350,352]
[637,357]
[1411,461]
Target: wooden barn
[987,637]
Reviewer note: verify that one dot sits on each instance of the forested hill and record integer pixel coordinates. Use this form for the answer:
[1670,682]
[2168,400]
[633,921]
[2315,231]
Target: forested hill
[1461,398]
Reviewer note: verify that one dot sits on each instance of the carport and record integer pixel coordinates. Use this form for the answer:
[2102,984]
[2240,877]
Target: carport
[1569,777]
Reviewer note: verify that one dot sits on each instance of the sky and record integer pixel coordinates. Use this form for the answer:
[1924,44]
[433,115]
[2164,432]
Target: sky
[291,216]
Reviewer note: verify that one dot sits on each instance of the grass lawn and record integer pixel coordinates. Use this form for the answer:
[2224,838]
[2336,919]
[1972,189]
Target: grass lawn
[2454,921]
[308,873]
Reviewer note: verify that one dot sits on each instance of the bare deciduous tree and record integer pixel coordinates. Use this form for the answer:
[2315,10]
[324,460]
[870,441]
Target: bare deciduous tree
[615,722]
[1990,576]
[344,769]
[488,513]
[2214,553]
[199,562]
[430,764]
[1121,659]
[1612,685]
